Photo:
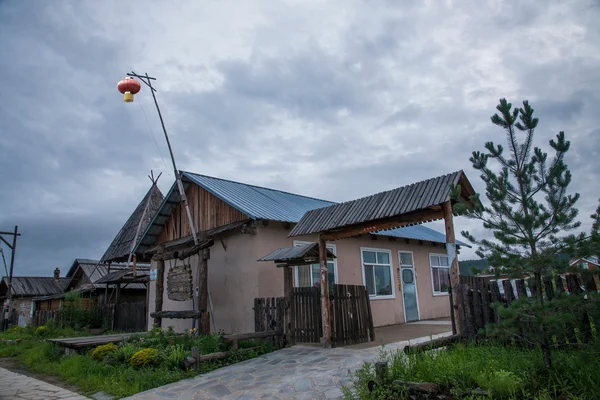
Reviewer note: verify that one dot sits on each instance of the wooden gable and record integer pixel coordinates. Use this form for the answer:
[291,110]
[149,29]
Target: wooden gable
[208,212]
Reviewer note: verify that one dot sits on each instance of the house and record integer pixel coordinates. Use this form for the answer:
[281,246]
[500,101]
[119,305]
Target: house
[590,263]
[25,292]
[247,222]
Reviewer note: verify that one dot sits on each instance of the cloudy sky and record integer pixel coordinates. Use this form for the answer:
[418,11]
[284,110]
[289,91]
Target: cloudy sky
[332,99]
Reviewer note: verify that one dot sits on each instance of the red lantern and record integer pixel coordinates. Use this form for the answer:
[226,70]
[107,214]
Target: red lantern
[129,86]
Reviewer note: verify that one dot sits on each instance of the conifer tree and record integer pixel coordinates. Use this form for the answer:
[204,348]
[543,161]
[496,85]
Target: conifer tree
[529,209]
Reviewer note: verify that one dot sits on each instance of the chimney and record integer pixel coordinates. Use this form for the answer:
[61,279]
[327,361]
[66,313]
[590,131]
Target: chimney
[56,274]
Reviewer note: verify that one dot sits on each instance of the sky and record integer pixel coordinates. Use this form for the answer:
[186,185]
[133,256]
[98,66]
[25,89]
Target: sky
[330,99]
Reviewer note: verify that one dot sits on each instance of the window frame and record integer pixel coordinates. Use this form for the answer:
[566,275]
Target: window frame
[414,268]
[331,247]
[391,266]
[433,291]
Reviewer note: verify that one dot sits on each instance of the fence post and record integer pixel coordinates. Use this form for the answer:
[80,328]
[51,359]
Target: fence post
[452,310]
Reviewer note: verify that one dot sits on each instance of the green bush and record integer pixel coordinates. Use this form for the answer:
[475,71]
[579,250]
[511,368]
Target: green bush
[175,355]
[143,357]
[500,384]
[102,351]
[121,354]
[41,330]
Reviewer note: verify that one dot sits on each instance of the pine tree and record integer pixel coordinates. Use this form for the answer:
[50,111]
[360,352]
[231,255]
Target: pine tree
[530,210]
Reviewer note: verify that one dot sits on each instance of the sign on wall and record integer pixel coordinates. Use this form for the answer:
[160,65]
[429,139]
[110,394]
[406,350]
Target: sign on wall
[179,283]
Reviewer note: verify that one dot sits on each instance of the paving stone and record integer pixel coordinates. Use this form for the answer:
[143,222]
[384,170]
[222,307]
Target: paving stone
[246,397]
[102,396]
[218,390]
[334,393]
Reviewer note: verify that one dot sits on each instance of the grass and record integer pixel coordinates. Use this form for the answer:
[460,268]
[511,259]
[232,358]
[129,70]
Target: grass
[113,374]
[504,372]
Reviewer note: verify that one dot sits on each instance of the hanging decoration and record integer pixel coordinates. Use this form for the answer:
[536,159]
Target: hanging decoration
[128,86]
[179,283]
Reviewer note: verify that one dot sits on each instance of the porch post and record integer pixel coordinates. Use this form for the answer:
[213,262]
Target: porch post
[325,310]
[160,272]
[202,300]
[288,287]
[454,271]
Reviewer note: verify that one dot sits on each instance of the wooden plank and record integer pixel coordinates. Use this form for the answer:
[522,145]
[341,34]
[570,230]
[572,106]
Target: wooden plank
[508,291]
[484,288]
[451,238]
[325,306]
[202,285]
[187,314]
[369,312]
[469,318]
[462,320]
[521,292]
[288,285]
[477,309]
[452,310]
[158,302]
[179,283]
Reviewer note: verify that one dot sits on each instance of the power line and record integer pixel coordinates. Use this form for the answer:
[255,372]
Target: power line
[152,133]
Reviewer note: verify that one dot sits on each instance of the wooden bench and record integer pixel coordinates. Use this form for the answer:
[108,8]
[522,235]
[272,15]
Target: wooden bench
[76,343]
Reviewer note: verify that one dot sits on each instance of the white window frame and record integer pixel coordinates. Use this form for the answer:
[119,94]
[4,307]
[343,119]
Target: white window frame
[400,265]
[330,247]
[392,277]
[435,293]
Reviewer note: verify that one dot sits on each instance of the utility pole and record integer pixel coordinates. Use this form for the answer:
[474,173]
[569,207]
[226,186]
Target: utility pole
[13,248]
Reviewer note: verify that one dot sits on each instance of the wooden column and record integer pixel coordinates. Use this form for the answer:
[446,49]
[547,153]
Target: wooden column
[288,288]
[134,265]
[202,299]
[325,310]
[160,272]
[454,272]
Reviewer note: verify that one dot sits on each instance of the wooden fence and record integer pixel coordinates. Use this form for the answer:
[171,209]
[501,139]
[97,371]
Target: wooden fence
[306,315]
[476,295]
[351,317]
[124,317]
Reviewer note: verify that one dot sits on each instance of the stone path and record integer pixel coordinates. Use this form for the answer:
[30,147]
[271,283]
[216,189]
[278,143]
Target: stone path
[299,373]
[17,386]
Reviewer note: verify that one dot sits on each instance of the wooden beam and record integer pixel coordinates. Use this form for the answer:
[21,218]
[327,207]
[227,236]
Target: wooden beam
[160,277]
[187,314]
[454,271]
[288,288]
[325,307]
[416,217]
[183,254]
[134,265]
[202,300]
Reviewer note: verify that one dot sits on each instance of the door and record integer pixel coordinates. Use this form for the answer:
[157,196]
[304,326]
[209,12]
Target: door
[409,287]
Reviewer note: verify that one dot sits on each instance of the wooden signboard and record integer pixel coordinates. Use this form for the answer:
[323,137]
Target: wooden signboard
[179,283]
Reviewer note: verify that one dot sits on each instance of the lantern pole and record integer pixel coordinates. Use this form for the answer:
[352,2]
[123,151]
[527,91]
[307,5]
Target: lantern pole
[148,81]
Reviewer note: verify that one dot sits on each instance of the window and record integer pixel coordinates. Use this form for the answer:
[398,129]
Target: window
[440,268]
[377,273]
[310,275]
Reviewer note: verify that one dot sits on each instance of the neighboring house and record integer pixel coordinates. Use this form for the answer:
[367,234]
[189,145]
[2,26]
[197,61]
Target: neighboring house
[26,291]
[590,263]
[248,222]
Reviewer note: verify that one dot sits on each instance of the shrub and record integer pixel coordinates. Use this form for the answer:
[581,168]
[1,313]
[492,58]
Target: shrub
[175,355]
[121,354]
[41,330]
[500,383]
[102,351]
[143,357]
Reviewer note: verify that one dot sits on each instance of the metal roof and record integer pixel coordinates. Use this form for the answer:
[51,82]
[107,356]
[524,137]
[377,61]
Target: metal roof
[258,202]
[94,271]
[405,199]
[262,203]
[125,275]
[121,245]
[299,252]
[36,285]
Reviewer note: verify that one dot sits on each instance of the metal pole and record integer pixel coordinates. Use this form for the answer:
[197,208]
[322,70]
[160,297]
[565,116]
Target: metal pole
[177,176]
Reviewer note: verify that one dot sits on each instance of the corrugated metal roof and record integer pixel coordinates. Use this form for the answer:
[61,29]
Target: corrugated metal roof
[262,203]
[405,199]
[299,252]
[36,285]
[258,202]
[94,271]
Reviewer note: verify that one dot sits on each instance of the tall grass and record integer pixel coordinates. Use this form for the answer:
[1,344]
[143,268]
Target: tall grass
[504,372]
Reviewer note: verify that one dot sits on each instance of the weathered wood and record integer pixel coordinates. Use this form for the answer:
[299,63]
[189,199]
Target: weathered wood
[451,305]
[288,285]
[432,344]
[179,283]
[451,238]
[183,254]
[462,319]
[469,317]
[135,260]
[477,309]
[196,356]
[521,292]
[158,301]
[508,291]
[187,314]
[202,300]
[484,288]
[383,224]
[234,339]
[325,312]
[369,313]
[92,341]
